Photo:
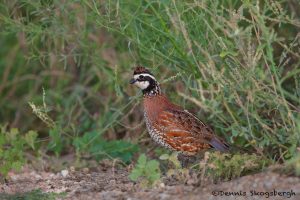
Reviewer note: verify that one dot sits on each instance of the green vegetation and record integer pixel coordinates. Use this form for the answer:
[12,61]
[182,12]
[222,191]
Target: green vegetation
[12,147]
[234,63]
[147,170]
[225,166]
[215,166]
[293,166]
[175,168]
[32,195]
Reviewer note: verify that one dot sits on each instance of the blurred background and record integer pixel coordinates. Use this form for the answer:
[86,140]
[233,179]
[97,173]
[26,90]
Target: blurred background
[65,67]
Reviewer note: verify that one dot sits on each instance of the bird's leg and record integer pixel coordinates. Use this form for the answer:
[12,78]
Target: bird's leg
[185,160]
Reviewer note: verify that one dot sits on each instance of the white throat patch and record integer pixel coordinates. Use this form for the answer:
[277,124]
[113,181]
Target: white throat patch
[142,84]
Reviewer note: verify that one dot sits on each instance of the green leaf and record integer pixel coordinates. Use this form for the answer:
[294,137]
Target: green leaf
[142,160]
[17,165]
[135,174]
[56,141]
[147,170]
[30,138]
[154,177]
[12,134]
[152,165]
[223,54]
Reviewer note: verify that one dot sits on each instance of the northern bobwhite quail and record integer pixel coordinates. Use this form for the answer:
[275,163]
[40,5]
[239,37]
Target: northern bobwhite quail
[169,124]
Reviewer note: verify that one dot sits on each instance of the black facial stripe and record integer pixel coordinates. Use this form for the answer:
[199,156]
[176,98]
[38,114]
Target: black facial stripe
[146,72]
[146,78]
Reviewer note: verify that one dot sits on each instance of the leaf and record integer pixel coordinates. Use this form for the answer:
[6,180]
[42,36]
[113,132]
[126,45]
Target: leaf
[56,141]
[154,177]
[152,164]
[142,160]
[135,174]
[2,139]
[12,134]
[164,157]
[223,54]
[147,170]
[30,138]
[173,158]
[234,133]
[17,165]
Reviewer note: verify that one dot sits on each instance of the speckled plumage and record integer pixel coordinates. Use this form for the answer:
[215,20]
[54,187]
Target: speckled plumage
[170,125]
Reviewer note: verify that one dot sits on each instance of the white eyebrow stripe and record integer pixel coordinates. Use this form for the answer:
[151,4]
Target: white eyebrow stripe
[144,74]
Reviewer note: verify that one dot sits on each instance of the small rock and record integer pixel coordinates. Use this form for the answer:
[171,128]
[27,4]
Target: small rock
[72,169]
[85,170]
[64,173]
[51,176]
[112,182]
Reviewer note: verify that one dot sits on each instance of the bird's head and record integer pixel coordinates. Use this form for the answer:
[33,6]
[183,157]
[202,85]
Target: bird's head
[145,80]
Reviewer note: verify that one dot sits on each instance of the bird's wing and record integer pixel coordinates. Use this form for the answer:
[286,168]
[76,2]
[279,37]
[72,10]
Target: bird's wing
[183,131]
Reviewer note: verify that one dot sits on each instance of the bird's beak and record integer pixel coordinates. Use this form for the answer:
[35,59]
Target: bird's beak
[132,81]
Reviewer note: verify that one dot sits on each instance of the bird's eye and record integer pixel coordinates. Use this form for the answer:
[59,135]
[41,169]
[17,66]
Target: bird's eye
[141,76]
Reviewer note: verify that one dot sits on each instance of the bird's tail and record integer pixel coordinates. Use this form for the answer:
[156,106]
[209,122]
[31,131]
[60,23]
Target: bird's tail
[219,145]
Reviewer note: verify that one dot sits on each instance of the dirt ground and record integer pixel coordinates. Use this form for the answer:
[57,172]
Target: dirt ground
[108,182]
